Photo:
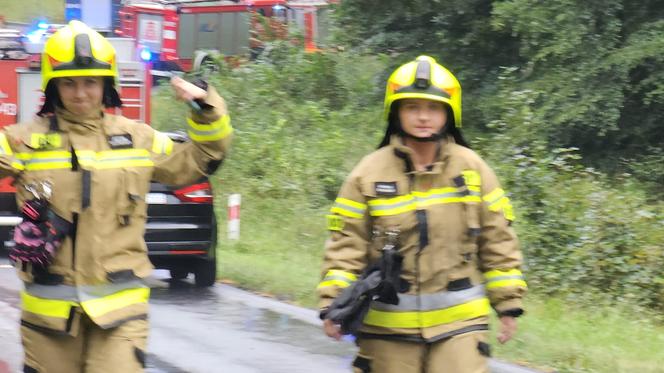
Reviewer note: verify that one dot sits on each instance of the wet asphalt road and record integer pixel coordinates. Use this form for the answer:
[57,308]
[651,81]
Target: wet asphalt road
[218,329]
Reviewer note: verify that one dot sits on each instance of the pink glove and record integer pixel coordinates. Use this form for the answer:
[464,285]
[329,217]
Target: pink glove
[36,239]
[31,244]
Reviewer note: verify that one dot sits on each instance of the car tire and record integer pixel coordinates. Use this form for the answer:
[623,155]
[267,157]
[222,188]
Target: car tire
[206,273]
[179,274]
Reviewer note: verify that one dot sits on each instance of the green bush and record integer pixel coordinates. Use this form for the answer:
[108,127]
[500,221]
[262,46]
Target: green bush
[302,121]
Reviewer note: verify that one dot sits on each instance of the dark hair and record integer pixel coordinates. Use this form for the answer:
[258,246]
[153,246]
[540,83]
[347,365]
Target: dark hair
[110,99]
[394,127]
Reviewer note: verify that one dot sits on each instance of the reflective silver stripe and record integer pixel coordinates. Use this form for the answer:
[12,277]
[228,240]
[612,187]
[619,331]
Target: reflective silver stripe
[392,206]
[61,292]
[82,293]
[431,302]
[420,199]
[338,278]
[89,292]
[349,207]
[500,278]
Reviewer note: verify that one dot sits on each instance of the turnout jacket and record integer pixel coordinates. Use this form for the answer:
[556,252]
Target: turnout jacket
[100,170]
[452,222]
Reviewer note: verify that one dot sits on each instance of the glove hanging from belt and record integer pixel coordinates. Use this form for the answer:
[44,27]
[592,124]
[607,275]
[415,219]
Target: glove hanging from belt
[39,235]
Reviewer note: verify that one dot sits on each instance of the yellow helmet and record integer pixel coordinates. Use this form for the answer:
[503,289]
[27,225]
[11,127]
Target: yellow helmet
[77,50]
[424,78]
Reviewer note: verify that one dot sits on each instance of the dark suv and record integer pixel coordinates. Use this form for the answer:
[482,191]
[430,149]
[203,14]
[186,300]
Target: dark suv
[181,229]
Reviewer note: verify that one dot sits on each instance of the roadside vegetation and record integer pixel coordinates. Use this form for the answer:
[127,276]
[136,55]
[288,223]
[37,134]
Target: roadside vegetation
[592,244]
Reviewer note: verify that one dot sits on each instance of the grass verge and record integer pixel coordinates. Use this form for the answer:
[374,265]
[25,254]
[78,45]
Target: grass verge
[280,252]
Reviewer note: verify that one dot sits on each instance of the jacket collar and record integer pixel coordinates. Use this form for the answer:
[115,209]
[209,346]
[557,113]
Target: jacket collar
[70,122]
[404,152]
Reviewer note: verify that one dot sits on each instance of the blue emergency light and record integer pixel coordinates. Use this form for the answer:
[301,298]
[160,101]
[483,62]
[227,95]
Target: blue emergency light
[145,54]
[35,36]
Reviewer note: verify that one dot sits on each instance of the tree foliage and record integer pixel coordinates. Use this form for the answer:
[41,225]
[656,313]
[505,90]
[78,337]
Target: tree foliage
[302,121]
[595,68]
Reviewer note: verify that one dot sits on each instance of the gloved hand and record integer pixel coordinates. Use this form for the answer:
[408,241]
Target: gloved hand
[30,244]
[37,238]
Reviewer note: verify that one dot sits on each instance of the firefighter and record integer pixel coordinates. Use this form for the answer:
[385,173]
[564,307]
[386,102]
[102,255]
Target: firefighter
[425,194]
[82,176]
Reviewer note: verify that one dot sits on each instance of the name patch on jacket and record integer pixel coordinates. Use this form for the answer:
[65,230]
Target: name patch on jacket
[386,188]
[120,141]
[45,141]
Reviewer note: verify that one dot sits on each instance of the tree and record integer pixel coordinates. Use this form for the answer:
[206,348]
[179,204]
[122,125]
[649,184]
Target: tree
[595,67]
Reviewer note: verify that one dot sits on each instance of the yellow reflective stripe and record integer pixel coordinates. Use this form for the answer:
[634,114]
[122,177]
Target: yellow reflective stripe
[45,160]
[120,163]
[162,144]
[337,272]
[497,278]
[339,283]
[5,149]
[210,132]
[335,277]
[494,195]
[508,211]
[498,273]
[123,158]
[115,158]
[497,201]
[425,319]
[49,160]
[500,204]
[351,203]
[44,155]
[415,200]
[438,201]
[394,211]
[344,212]
[349,208]
[392,206]
[505,283]
[19,166]
[46,307]
[391,201]
[101,306]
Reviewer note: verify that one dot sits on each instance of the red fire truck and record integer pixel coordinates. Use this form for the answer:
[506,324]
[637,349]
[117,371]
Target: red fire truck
[185,35]
[189,34]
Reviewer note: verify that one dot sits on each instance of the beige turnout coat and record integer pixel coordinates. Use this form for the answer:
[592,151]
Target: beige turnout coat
[461,256]
[100,171]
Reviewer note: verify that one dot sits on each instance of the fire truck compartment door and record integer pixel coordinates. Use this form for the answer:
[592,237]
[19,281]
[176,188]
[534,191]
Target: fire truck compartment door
[30,96]
[150,31]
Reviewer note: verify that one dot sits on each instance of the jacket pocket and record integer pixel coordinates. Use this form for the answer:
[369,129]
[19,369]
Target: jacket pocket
[131,196]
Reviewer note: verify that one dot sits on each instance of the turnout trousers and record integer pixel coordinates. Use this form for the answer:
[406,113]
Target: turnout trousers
[464,353]
[91,349]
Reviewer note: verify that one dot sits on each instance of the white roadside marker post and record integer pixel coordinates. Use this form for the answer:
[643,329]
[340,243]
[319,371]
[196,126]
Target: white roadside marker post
[234,216]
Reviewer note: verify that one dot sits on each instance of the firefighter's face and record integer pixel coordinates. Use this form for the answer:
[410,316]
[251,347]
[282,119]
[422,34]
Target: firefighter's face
[422,118]
[81,95]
